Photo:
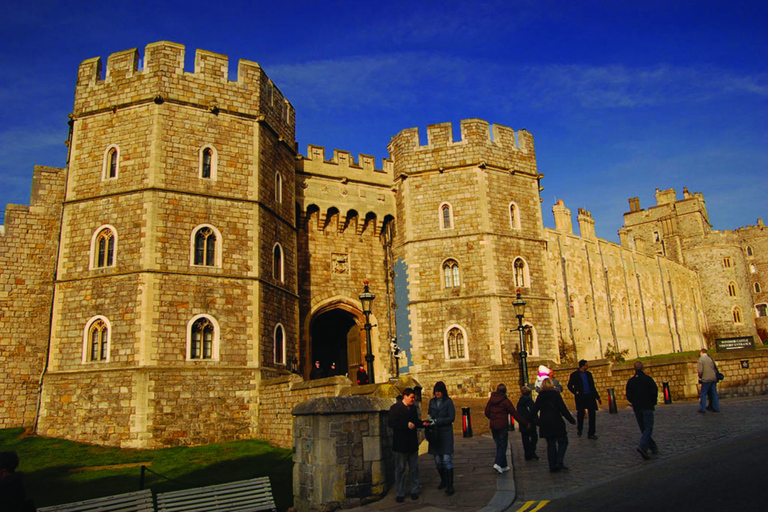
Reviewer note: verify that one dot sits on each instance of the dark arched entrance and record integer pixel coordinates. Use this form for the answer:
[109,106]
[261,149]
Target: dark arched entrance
[335,338]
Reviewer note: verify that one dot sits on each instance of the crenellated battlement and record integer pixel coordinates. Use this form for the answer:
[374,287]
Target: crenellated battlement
[481,144]
[163,78]
[343,166]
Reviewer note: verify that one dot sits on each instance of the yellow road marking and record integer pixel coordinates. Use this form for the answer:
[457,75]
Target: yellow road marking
[537,505]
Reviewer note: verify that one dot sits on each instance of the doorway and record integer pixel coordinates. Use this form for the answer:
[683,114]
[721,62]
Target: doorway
[335,338]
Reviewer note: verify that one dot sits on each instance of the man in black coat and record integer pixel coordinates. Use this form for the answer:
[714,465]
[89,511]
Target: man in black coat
[403,420]
[582,385]
[643,393]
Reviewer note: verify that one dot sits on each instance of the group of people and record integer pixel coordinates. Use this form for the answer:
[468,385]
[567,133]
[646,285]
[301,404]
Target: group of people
[318,372]
[548,412]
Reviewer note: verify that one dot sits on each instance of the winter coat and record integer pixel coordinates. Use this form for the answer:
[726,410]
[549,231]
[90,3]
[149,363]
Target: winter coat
[706,368]
[551,410]
[404,439]
[443,413]
[525,407]
[498,410]
[642,391]
[576,386]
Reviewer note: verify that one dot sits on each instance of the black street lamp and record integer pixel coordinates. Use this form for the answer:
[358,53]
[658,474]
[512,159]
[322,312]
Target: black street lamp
[519,305]
[366,299]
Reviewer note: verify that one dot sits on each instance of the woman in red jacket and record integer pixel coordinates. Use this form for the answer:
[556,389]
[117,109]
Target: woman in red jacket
[498,410]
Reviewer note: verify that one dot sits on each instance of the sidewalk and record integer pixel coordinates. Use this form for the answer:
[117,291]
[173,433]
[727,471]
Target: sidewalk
[678,429]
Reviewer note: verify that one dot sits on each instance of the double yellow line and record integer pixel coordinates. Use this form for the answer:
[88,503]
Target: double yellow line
[533,506]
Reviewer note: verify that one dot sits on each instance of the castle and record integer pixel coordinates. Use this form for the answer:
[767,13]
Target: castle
[188,253]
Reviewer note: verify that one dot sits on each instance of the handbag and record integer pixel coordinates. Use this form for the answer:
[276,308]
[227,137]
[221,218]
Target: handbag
[719,375]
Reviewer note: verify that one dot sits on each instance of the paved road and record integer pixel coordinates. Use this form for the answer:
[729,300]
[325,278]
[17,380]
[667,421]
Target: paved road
[686,440]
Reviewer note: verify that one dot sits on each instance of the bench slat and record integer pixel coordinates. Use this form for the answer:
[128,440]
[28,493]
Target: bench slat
[243,496]
[139,501]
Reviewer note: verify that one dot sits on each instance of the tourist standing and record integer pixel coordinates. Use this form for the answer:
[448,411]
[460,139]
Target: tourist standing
[582,385]
[317,372]
[440,417]
[362,376]
[525,407]
[643,393]
[551,410]
[708,379]
[498,409]
[542,374]
[403,419]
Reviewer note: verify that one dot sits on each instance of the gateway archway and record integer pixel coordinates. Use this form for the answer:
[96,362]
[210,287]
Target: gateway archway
[334,336]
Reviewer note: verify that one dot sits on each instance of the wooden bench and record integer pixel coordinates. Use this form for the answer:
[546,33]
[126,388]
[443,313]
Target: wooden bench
[139,501]
[243,496]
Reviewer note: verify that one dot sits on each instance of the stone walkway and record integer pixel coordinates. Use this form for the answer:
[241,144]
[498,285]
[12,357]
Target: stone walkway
[678,429]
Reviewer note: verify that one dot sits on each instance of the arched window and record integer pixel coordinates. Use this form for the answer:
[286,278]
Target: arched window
[446,216]
[202,338]
[111,163]
[514,215]
[521,273]
[96,340]
[761,310]
[277,263]
[278,339]
[205,247]
[531,340]
[451,274]
[758,288]
[455,343]
[752,268]
[103,247]
[732,289]
[209,162]
[750,252]
[278,188]
[737,315]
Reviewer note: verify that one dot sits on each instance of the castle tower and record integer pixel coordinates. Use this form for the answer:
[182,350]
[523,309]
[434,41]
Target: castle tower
[176,284]
[470,233]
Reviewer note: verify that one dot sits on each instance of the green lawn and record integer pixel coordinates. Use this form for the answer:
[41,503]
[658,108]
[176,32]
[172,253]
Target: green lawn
[58,471]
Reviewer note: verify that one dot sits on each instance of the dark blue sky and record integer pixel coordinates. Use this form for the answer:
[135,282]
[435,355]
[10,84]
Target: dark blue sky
[621,97]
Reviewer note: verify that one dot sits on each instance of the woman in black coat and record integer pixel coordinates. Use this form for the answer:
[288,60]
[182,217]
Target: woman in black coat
[551,410]
[440,421]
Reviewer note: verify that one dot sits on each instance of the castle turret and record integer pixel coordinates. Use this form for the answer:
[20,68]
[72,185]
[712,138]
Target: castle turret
[562,215]
[586,224]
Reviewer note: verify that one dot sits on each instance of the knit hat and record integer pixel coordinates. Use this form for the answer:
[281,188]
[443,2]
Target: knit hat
[543,370]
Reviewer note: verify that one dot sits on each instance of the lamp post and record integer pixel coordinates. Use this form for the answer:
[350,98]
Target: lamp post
[366,299]
[519,305]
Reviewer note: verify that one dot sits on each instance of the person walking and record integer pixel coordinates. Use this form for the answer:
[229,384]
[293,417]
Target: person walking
[498,409]
[440,417]
[551,410]
[525,407]
[403,420]
[643,394]
[582,385]
[708,379]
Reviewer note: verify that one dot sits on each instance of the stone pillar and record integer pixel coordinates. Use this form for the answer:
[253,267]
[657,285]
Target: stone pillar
[342,452]
[562,218]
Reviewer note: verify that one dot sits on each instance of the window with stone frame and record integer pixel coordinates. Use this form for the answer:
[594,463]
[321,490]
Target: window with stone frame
[111,163]
[750,251]
[758,288]
[761,310]
[752,268]
[514,215]
[209,161]
[732,289]
[201,339]
[278,263]
[279,344]
[727,262]
[278,188]
[446,216]
[451,275]
[520,270]
[205,250]
[455,343]
[737,315]
[103,247]
[96,343]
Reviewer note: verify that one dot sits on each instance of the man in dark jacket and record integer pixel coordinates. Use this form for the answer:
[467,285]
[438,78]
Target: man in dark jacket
[643,393]
[362,376]
[403,420]
[582,385]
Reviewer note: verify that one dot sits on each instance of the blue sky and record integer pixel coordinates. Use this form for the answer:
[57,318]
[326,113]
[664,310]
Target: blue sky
[621,97]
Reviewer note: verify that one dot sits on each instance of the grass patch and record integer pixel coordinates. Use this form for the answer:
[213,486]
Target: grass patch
[48,465]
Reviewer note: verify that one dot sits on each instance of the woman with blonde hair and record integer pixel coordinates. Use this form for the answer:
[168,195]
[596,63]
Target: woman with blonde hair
[551,410]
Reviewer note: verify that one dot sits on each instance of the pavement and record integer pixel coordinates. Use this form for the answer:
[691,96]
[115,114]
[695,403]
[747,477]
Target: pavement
[529,486]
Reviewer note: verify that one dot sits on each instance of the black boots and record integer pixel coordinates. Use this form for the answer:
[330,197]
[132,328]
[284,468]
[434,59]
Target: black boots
[443,478]
[449,473]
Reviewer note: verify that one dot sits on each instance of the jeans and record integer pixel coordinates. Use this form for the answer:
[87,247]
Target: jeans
[501,438]
[401,459]
[644,419]
[530,440]
[444,461]
[588,403]
[707,387]
[556,447]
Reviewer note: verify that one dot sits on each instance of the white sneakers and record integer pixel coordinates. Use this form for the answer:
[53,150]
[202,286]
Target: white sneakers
[500,469]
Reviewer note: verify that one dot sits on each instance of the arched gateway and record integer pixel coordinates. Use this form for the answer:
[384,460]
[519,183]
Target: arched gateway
[336,335]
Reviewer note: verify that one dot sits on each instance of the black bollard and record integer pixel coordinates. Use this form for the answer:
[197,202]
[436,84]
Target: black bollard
[141,479]
[511,423]
[466,422]
[612,407]
[667,393]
